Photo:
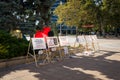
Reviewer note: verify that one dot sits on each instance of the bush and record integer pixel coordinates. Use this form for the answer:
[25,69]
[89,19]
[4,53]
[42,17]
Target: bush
[11,46]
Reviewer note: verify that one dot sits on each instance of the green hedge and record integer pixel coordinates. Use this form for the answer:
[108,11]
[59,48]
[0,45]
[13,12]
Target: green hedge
[11,46]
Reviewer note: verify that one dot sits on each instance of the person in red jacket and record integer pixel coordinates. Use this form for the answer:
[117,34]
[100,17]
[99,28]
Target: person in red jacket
[46,30]
[39,33]
[42,32]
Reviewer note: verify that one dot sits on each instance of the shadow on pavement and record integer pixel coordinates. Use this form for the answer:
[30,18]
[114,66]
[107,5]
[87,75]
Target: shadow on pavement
[82,68]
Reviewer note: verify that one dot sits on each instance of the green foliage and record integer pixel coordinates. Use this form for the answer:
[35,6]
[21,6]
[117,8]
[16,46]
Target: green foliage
[11,46]
[101,13]
[111,7]
[8,20]
[14,13]
[77,12]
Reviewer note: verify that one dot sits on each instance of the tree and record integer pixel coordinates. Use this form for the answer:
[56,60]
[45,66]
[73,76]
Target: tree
[8,20]
[77,12]
[38,10]
[101,13]
[108,14]
[16,12]
[113,9]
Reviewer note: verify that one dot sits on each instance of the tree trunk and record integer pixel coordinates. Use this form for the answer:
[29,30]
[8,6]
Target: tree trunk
[102,31]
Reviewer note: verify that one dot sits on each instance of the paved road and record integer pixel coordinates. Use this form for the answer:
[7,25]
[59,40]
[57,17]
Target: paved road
[110,44]
[104,65]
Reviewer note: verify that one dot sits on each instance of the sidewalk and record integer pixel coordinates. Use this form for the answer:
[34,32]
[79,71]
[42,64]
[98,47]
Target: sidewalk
[102,66]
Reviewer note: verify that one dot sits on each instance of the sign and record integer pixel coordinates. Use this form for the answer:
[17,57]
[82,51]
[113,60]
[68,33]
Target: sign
[72,39]
[88,38]
[81,39]
[52,42]
[38,43]
[94,37]
[63,41]
[88,26]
